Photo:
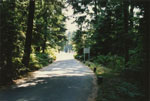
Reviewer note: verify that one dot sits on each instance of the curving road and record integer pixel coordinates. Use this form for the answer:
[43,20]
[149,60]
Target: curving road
[64,80]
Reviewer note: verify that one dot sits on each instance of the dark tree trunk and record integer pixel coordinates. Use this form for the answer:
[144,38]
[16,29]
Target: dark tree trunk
[28,41]
[7,39]
[146,48]
[95,8]
[95,11]
[38,49]
[126,18]
[131,15]
[44,44]
[45,34]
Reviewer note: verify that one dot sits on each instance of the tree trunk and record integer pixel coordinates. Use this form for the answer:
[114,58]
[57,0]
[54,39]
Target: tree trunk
[146,48]
[45,34]
[44,44]
[126,18]
[7,39]
[131,15]
[37,49]
[27,49]
[95,8]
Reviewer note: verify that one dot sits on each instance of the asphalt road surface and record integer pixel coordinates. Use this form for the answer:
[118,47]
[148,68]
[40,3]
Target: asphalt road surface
[64,80]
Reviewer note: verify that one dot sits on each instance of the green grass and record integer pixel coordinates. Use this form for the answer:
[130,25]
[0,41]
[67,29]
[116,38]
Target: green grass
[115,87]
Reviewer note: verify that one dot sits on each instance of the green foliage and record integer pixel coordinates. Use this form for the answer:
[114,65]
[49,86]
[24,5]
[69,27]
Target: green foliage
[44,59]
[128,90]
[118,90]
[100,69]
[114,86]
[111,61]
[34,61]
[48,31]
[136,59]
[79,57]
[110,31]
[39,60]
[20,69]
[116,27]
[8,39]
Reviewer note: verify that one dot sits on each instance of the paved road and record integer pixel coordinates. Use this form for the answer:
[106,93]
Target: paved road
[64,80]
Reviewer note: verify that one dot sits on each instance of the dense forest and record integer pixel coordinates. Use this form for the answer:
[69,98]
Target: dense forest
[30,32]
[117,32]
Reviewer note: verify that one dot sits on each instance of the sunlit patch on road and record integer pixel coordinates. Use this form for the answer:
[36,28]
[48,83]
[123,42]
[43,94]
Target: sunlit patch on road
[65,65]
[64,56]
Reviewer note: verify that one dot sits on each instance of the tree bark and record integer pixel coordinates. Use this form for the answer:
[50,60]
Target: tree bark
[7,40]
[95,8]
[45,34]
[44,44]
[126,18]
[28,41]
[146,48]
[131,15]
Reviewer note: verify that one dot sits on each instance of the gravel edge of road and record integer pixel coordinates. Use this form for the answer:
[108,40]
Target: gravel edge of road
[93,95]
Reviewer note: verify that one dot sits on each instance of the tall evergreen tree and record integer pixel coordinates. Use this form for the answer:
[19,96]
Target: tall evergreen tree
[28,41]
[8,35]
[126,29]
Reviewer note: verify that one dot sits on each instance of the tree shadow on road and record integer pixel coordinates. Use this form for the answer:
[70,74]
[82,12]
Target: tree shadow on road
[64,88]
[66,80]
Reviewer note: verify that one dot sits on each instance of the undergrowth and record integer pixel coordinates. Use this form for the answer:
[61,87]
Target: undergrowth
[37,61]
[116,87]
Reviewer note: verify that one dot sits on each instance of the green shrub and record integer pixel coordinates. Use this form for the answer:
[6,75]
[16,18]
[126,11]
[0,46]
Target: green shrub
[116,63]
[51,53]
[44,59]
[127,89]
[136,60]
[34,63]
[38,60]
[135,70]
[79,57]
